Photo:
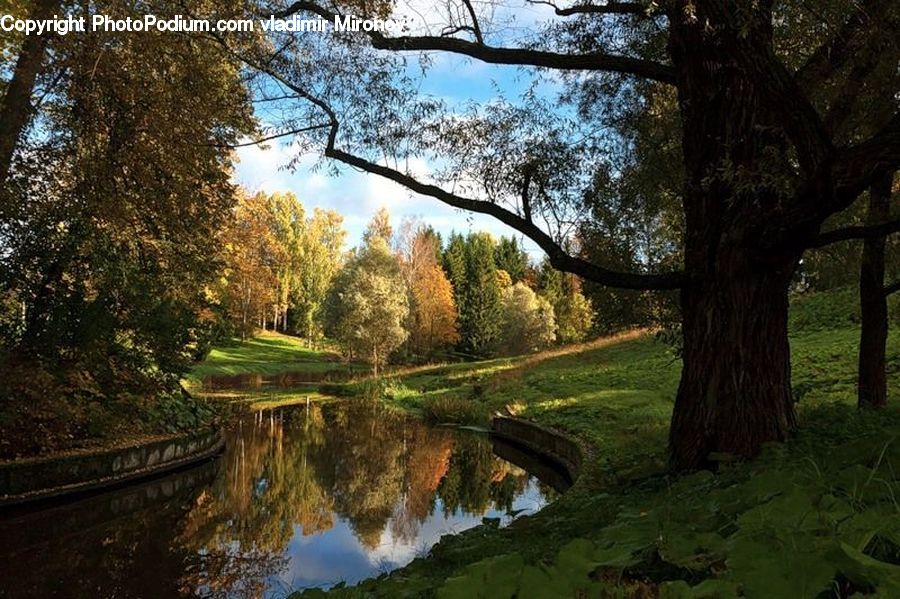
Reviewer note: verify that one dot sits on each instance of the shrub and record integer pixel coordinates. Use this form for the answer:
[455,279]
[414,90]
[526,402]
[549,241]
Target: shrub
[456,410]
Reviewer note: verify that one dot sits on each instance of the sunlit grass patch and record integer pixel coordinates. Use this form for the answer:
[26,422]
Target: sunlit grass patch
[617,394]
[455,410]
[269,353]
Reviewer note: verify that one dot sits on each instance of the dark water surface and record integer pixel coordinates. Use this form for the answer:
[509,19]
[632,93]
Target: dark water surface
[302,497]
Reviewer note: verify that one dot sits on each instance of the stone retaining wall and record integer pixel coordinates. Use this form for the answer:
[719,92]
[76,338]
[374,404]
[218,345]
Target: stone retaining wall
[24,528]
[29,480]
[560,448]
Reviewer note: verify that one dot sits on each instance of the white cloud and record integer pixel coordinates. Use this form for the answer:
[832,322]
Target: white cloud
[262,169]
[357,195]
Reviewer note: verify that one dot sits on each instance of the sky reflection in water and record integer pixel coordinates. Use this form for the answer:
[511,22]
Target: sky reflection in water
[301,498]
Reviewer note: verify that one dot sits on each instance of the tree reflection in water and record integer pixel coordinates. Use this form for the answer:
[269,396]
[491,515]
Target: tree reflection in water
[301,497]
[295,471]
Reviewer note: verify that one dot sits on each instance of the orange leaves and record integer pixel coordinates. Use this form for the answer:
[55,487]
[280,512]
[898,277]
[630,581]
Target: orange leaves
[434,311]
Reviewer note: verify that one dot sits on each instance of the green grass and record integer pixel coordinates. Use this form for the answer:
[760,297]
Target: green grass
[268,353]
[820,514]
[615,393]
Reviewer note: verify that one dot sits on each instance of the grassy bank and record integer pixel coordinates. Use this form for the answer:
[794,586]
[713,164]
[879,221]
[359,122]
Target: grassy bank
[267,371]
[268,353]
[820,515]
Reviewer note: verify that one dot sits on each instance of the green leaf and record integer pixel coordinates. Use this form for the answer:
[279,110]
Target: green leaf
[765,566]
[492,577]
[859,530]
[866,571]
[793,511]
[708,589]
[692,550]
[624,543]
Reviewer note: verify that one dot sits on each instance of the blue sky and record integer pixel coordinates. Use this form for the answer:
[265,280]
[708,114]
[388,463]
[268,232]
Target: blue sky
[358,195]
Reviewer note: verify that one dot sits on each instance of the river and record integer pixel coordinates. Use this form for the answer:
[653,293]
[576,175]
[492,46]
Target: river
[302,497]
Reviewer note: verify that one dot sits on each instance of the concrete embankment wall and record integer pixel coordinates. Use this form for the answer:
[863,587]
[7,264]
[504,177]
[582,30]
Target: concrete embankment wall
[551,444]
[29,480]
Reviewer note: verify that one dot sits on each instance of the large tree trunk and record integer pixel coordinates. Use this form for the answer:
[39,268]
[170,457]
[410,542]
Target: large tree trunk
[735,392]
[16,108]
[872,383]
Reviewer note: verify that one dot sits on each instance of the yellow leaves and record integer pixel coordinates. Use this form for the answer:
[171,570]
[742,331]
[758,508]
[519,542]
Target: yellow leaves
[434,309]
[503,279]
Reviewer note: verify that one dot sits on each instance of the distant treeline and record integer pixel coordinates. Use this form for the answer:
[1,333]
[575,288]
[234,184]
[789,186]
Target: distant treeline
[403,295]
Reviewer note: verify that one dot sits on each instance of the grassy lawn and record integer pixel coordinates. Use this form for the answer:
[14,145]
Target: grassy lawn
[819,516]
[283,361]
[268,353]
[616,393]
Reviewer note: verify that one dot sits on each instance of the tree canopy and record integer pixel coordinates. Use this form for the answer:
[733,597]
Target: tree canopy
[765,109]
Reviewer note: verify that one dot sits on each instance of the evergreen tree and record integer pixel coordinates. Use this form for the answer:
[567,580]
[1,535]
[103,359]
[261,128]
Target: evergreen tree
[480,314]
[550,282]
[509,256]
[454,262]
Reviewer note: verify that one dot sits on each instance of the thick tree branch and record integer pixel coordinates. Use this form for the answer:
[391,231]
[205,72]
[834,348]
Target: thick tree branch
[842,104]
[880,54]
[536,58]
[857,166]
[860,232]
[594,61]
[841,47]
[799,117]
[610,8]
[802,123]
[559,258]
[892,288]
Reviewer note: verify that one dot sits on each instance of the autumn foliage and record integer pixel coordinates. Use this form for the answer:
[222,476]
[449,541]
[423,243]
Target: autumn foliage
[434,312]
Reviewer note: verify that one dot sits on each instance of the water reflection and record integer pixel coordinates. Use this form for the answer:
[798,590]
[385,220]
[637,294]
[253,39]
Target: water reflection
[302,497]
[281,380]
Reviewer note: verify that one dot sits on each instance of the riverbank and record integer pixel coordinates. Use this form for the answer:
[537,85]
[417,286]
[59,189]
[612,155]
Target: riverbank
[43,419]
[815,514]
[269,371]
[38,479]
[823,505]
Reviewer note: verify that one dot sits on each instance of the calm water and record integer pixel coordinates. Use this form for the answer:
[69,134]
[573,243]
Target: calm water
[300,498]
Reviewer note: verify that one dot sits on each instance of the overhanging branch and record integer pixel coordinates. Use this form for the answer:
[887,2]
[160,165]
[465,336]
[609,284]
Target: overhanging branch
[559,258]
[610,8]
[593,61]
[892,288]
[841,47]
[861,232]
[857,166]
